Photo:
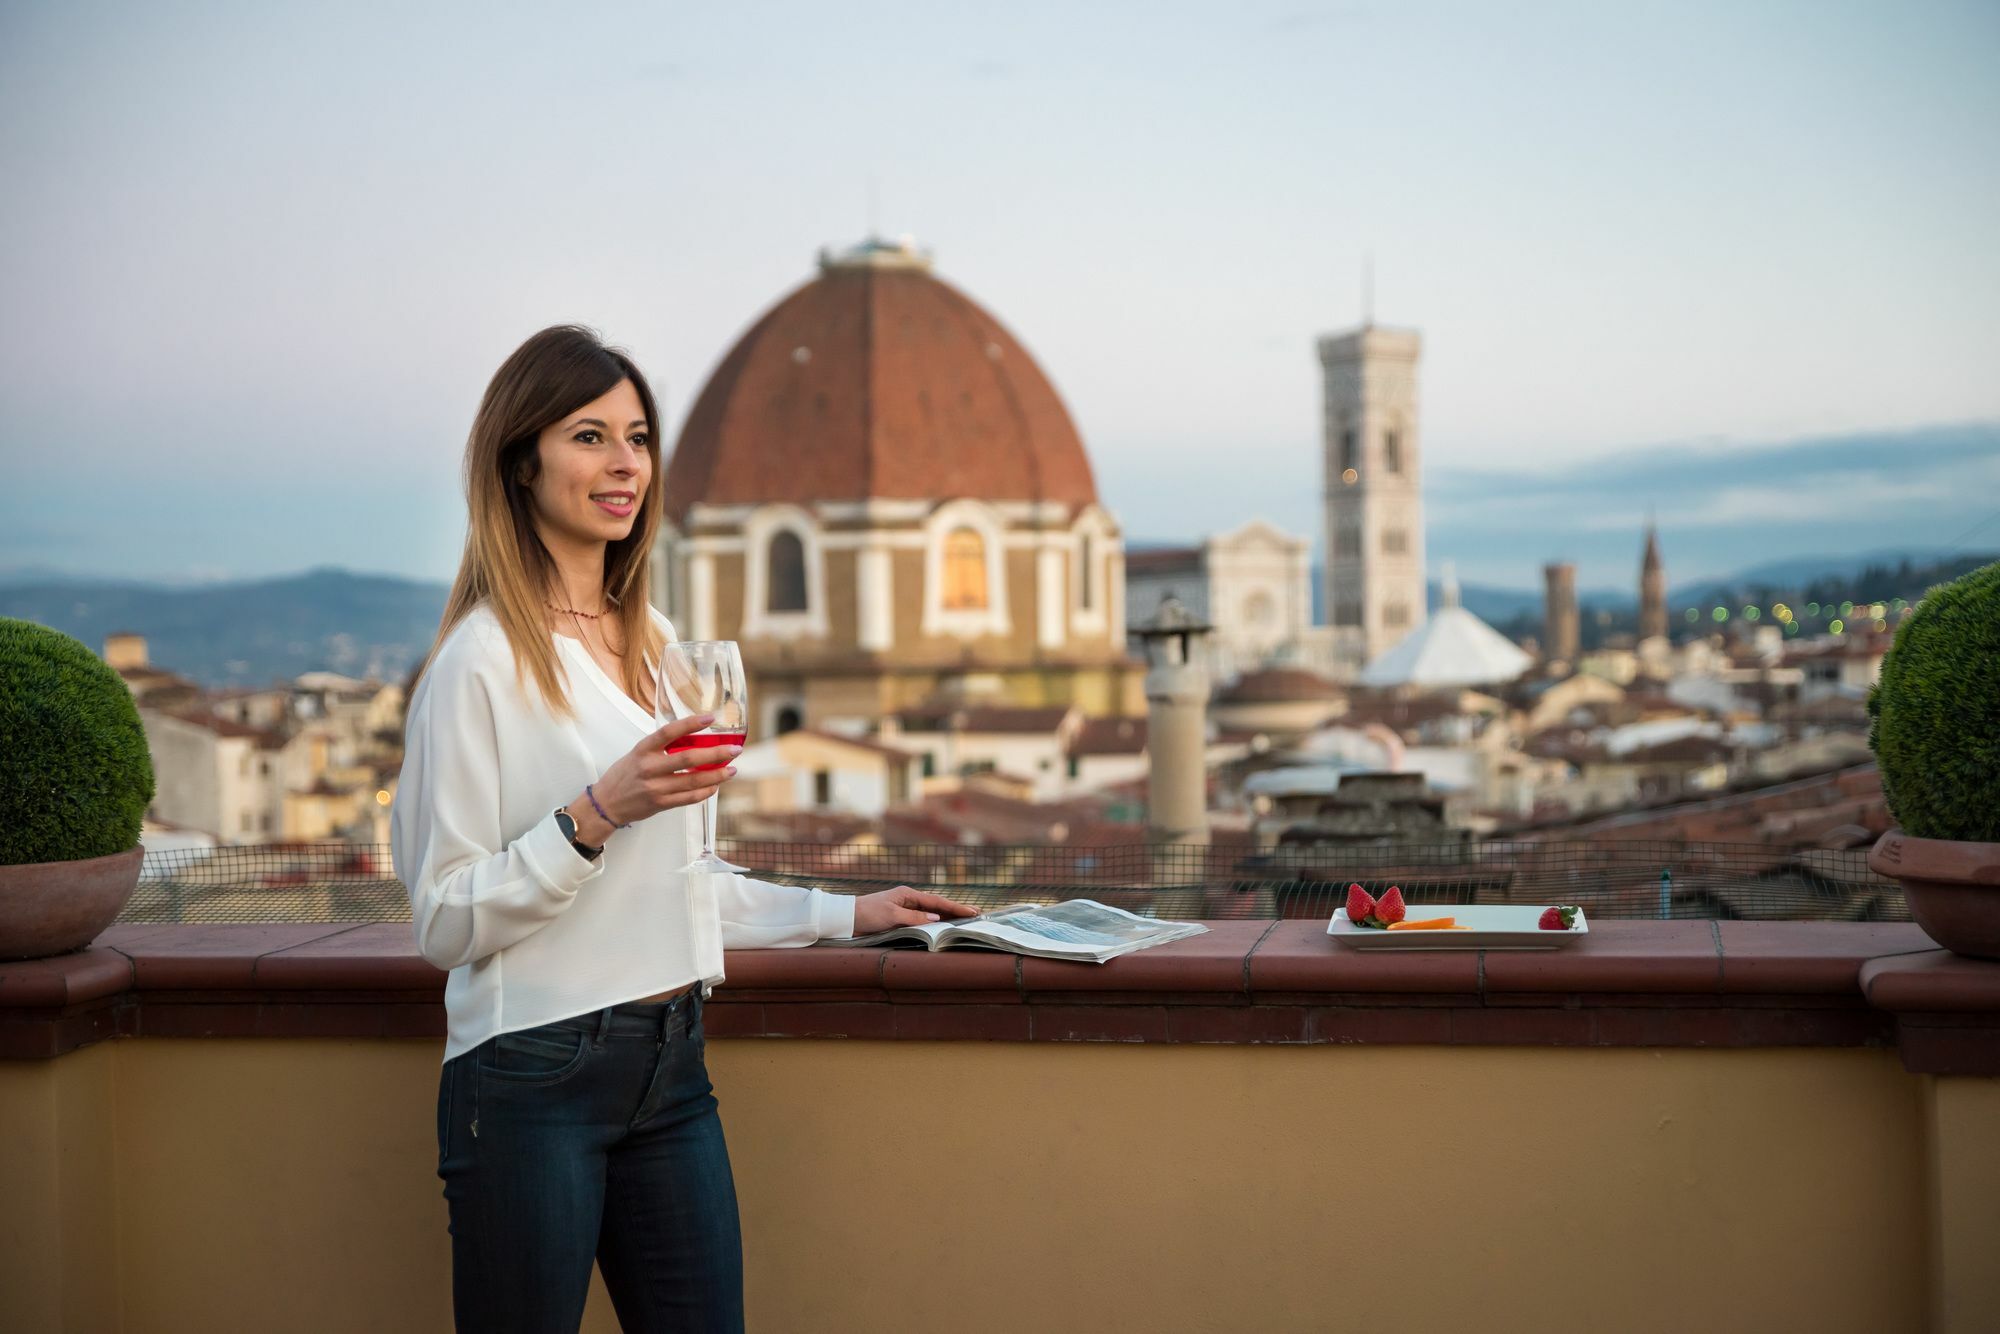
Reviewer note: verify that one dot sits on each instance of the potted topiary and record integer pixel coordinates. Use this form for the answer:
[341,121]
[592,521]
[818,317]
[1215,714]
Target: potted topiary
[75,781]
[1936,737]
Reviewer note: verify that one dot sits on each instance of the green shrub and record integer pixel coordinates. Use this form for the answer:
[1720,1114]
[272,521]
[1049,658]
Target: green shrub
[1936,713]
[75,774]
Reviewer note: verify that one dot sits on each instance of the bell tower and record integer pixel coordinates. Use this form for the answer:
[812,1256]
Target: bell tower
[1373,492]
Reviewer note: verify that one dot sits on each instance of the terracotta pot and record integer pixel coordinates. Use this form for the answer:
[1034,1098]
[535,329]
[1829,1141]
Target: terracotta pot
[1953,888]
[54,907]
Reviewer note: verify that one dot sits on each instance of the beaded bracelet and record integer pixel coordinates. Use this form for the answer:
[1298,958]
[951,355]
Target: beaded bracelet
[600,810]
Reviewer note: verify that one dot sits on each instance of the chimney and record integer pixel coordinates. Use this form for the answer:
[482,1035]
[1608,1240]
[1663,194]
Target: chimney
[1177,726]
[1559,624]
[124,651]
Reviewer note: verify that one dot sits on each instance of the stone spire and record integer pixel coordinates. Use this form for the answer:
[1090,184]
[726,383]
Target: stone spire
[1652,587]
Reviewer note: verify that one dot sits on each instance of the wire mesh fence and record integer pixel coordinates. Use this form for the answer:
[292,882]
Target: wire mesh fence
[339,882]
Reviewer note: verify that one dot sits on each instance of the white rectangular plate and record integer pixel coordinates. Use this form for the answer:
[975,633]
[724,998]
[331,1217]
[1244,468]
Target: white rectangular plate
[1495,926]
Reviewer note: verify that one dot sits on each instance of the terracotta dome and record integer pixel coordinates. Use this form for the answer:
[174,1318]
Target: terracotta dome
[877,379]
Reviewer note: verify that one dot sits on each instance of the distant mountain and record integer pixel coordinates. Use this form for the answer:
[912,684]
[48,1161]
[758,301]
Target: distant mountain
[252,633]
[1793,574]
[1494,605]
[329,619]
[1878,575]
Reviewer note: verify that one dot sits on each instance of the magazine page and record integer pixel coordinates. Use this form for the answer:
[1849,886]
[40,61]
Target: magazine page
[1081,929]
[928,932]
[1075,928]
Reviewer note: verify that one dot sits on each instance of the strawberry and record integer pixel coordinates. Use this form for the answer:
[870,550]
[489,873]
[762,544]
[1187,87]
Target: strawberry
[1390,908]
[1557,919]
[1360,903]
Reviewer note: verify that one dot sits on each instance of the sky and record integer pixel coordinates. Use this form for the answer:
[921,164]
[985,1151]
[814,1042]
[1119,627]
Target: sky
[257,263]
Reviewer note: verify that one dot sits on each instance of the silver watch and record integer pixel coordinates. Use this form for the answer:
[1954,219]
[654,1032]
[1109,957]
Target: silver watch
[567,823]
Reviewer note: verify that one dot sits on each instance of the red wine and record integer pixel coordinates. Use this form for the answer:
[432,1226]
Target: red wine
[702,741]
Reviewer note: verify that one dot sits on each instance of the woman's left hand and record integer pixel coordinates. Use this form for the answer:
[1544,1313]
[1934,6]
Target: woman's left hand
[903,906]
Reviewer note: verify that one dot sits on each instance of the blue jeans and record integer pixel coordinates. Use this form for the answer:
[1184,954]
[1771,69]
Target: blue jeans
[590,1137]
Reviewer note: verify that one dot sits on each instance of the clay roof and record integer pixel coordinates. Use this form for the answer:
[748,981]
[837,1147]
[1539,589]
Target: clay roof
[264,737]
[1277,684]
[859,743]
[1110,736]
[872,382]
[1395,712]
[812,826]
[912,825]
[1680,750]
[997,818]
[986,718]
[1163,560]
[1787,814]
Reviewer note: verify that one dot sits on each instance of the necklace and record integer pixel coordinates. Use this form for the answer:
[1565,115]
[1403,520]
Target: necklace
[593,615]
[588,646]
[582,638]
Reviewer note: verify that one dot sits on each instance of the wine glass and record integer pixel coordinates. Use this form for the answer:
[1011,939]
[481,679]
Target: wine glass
[705,676]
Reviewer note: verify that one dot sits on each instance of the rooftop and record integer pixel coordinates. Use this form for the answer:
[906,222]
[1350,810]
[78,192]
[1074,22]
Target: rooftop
[256,1103]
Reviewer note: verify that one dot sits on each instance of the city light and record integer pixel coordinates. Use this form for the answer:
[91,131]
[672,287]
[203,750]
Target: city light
[1847,609]
[1721,613]
[1833,626]
[1812,608]
[1694,613]
[1749,613]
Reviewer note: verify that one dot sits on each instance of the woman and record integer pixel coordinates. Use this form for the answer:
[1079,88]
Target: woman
[538,825]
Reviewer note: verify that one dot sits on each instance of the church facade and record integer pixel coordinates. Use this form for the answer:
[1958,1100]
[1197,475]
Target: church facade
[1253,585]
[879,495]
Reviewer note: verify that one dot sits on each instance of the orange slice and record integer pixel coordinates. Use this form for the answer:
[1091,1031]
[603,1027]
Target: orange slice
[1427,924]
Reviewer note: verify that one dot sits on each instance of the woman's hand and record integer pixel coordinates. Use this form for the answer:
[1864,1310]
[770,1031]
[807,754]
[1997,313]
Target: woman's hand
[903,906]
[648,780]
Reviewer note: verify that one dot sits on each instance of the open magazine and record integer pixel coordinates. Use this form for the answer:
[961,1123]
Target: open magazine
[1080,929]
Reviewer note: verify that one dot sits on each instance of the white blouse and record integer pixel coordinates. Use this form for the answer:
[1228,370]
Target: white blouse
[530,929]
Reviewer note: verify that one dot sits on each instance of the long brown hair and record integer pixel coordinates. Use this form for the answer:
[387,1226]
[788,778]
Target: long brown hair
[505,564]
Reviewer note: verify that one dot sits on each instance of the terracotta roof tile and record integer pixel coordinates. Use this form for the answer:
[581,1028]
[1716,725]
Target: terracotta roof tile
[860,743]
[264,737]
[986,718]
[1110,736]
[1280,684]
[1163,560]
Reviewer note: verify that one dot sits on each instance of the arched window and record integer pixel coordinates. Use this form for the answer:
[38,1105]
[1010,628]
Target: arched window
[787,573]
[1083,558]
[788,720]
[1392,450]
[1349,456]
[964,571]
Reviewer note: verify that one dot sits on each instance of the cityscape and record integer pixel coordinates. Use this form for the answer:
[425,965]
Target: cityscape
[947,640]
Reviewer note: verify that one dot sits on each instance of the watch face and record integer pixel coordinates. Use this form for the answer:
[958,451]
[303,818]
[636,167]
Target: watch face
[567,823]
